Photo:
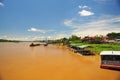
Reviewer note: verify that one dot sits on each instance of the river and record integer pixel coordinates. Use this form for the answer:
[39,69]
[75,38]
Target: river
[18,61]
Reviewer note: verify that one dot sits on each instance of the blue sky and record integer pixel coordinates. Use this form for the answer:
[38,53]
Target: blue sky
[53,19]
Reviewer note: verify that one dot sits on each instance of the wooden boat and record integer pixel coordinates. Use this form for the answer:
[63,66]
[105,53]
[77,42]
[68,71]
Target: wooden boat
[46,44]
[81,49]
[32,44]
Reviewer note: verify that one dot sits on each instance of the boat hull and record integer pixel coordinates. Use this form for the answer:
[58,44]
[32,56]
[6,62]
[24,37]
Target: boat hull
[110,66]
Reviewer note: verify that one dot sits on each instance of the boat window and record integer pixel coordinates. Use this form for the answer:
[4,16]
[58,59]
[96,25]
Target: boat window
[111,57]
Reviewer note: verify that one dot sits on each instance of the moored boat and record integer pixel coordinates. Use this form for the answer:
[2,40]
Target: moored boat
[32,44]
[81,49]
[110,59]
[46,44]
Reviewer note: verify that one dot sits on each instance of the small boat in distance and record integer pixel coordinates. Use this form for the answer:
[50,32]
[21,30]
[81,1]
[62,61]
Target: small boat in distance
[32,44]
[38,44]
[46,44]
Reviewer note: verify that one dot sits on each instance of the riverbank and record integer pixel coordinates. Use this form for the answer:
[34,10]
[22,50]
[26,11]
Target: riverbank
[97,48]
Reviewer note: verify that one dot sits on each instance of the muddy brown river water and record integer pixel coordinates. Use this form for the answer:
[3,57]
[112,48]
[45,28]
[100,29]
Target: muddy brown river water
[18,61]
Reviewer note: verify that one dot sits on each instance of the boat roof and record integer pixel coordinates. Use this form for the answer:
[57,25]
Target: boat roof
[110,53]
[83,46]
[75,44]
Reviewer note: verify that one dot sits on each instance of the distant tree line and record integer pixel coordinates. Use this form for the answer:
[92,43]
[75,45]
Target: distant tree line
[65,41]
[5,40]
[95,39]
[113,35]
[76,39]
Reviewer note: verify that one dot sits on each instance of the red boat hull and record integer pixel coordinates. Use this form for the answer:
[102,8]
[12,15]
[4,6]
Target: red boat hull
[110,66]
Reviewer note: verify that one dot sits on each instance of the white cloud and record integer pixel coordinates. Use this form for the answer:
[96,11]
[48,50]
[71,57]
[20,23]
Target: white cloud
[54,36]
[57,36]
[39,30]
[68,22]
[102,0]
[83,7]
[85,13]
[36,30]
[96,27]
[24,38]
[1,4]
[93,32]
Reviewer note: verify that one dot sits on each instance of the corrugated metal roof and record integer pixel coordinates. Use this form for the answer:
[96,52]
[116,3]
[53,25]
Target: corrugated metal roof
[110,53]
[75,45]
[83,46]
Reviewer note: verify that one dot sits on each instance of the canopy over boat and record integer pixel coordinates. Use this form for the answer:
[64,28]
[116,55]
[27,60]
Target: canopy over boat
[83,46]
[110,53]
[75,45]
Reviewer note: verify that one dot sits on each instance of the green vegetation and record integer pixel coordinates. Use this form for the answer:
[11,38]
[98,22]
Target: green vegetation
[97,48]
[113,35]
[74,38]
[97,42]
[5,40]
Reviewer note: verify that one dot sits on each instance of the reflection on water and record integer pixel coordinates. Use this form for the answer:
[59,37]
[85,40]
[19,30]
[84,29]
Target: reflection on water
[18,61]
